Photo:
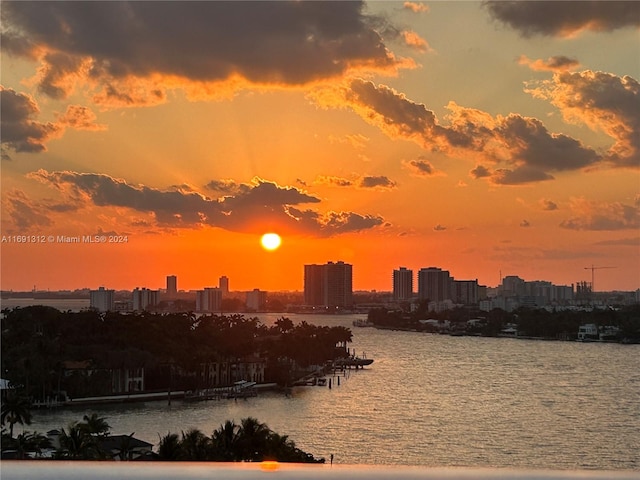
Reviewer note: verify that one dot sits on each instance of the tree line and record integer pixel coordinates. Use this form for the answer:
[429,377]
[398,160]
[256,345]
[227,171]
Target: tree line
[247,441]
[39,341]
[531,322]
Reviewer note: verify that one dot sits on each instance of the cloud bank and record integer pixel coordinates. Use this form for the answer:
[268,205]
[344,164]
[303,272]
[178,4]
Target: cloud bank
[520,149]
[250,207]
[128,52]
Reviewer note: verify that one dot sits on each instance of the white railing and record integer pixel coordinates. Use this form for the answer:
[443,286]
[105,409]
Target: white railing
[65,470]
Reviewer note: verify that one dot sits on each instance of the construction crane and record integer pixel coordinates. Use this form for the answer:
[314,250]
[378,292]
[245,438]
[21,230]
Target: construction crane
[593,269]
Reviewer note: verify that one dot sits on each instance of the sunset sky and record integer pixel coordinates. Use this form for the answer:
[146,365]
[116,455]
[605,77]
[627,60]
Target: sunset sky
[486,139]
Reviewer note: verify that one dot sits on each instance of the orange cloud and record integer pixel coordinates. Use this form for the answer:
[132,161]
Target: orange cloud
[416,7]
[588,215]
[413,40]
[558,63]
[357,140]
[602,101]
[80,118]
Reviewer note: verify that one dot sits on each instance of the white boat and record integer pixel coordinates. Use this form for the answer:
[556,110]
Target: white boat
[359,322]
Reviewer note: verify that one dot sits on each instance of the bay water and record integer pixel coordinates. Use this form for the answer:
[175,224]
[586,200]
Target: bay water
[433,400]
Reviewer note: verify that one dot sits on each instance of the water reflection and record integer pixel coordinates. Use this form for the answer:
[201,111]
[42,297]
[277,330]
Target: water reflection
[437,400]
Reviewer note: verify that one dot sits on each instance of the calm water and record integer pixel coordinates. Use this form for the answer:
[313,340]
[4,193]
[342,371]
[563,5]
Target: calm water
[438,401]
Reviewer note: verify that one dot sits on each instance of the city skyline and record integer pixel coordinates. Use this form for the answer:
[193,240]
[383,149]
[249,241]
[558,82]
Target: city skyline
[495,138]
[401,280]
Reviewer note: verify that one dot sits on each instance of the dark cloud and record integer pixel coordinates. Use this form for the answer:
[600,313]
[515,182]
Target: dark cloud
[480,171]
[333,181]
[604,102]
[565,18]
[379,182]
[439,228]
[420,167]
[253,206]
[267,194]
[532,143]
[519,176]
[22,132]
[376,182]
[548,204]
[522,147]
[225,187]
[333,222]
[525,224]
[20,129]
[277,42]
[343,222]
[396,111]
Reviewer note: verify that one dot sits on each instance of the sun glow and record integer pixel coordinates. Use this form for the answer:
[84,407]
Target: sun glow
[270,241]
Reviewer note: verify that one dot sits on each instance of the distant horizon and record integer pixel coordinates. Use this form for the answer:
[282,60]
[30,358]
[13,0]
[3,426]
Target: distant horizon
[300,290]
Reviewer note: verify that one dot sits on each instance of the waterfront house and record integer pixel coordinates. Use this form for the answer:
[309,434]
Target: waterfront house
[588,332]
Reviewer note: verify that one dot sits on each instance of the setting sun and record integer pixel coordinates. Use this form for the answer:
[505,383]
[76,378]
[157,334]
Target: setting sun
[270,241]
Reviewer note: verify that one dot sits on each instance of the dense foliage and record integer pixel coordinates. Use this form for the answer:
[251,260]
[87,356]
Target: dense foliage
[541,323]
[248,441]
[39,341]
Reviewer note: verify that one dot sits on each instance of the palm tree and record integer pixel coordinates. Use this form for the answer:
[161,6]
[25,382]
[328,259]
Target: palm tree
[169,447]
[77,444]
[252,439]
[95,425]
[15,409]
[195,446]
[225,442]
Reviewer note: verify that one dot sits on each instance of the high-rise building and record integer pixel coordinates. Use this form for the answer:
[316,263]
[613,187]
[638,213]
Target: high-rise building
[102,300]
[313,285]
[209,300]
[338,285]
[465,291]
[512,286]
[172,286]
[402,284]
[223,283]
[256,299]
[328,285]
[434,284]
[143,298]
